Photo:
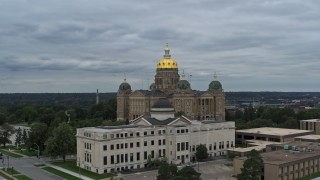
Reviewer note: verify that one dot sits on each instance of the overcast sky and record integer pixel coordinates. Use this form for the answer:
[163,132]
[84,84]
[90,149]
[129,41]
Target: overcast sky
[84,45]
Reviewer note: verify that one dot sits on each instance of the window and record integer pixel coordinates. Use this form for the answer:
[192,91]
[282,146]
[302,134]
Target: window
[105,160]
[122,158]
[138,144]
[163,142]
[121,135]
[182,130]
[215,146]
[227,144]
[178,157]
[182,146]
[121,145]
[138,156]
[159,152]
[126,158]
[159,142]
[125,134]
[111,136]
[152,132]
[126,145]
[105,147]
[193,148]
[187,145]
[112,147]
[178,131]
[178,146]
[118,158]
[131,157]
[159,132]
[131,134]
[152,142]
[138,134]
[187,130]
[163,152]
[112,159]
[118,146]
[163,131]
[131,145]
[210,147]
[117,135]
[145,133]
[152,154]
[145,155]
[145,143]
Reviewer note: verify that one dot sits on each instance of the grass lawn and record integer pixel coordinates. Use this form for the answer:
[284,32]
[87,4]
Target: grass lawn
[22,177]
[5,176]
[60,173]
[10,154]
[315,175]
[39,165]
[71,165]
[26,152]
[10,171]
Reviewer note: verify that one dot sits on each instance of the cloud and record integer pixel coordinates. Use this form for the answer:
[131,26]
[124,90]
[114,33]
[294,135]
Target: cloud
[73,46]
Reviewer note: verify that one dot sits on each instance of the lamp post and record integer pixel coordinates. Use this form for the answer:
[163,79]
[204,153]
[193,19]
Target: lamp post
[38,150]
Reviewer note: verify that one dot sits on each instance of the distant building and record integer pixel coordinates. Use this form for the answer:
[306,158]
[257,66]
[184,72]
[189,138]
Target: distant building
[161,135]
[269,134]
[201,105]
[292,161]
[311,124]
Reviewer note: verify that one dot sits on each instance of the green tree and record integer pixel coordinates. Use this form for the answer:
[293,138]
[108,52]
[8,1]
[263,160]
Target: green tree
[38,135]
[24,136]
[2,118]
[18,137]
[202,152]
[6,130]
[62,142]
[29,114]
[189,173]
[166,171]
[252,167]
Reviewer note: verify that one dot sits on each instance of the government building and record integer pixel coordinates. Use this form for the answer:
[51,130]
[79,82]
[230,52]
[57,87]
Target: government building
[168,122]
[201,105]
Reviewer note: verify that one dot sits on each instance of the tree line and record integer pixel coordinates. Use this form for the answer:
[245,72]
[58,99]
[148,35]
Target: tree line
[270,117]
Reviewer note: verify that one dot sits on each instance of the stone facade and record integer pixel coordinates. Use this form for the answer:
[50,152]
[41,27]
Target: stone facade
[201,105]
[108,149]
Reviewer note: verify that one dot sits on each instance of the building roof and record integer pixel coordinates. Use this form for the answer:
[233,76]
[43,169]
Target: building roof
[310,137]
[311,120]
[155,121]
[272,131]
[286,156]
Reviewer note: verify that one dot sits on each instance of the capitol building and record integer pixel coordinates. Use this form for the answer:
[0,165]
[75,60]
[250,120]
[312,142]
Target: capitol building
[201,105]
[156,130]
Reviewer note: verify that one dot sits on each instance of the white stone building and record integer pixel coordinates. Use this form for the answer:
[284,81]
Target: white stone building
[115,148]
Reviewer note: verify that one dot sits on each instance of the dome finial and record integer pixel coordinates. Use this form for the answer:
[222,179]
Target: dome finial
[215,76]
[124,77]
[183,75]
[167,52]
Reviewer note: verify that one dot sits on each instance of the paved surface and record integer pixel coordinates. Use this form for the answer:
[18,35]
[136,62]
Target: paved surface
[26,167]
[215,170]
[69,172]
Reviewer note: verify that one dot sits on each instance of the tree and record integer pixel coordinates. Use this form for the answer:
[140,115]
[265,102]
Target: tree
[62,142]
[166,171]
[18,137]
[38,135]
[24,136]
[189,173]
[252,167]
[2,118]
[6,131]
[202,152]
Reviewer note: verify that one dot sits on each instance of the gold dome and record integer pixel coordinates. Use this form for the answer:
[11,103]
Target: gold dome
[167,61]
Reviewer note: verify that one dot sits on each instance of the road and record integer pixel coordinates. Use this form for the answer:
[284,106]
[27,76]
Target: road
[26,167]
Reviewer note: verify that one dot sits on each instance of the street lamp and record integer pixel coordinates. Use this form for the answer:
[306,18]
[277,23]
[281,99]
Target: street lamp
[38,150]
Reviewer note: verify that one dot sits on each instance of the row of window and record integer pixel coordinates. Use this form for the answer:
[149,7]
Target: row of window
[183,146]
[87,157]
[87,146]
[121,158]
[131,145]
[182,131]
[86,134]
[145,133]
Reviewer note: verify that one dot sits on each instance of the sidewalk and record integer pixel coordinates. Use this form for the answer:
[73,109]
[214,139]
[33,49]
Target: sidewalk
[68,172]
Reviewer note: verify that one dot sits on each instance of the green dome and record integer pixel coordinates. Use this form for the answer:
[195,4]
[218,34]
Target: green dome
[124,86]
[183,84]
[215,85]
[152,86]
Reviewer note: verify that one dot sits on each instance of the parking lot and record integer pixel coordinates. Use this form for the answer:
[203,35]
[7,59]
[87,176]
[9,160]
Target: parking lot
[215,170]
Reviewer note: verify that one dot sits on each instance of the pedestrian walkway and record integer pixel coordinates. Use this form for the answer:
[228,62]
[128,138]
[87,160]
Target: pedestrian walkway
[68,171]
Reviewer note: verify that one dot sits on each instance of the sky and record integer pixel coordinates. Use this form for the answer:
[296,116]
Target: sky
[82,45]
